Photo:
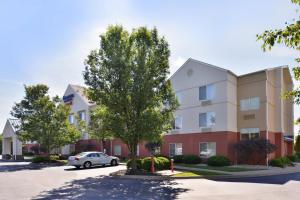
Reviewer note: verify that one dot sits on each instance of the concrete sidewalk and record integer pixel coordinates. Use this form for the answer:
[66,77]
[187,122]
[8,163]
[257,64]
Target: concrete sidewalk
[266,171]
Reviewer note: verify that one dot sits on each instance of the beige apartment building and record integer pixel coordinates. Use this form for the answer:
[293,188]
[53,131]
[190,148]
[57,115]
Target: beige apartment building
[218,109]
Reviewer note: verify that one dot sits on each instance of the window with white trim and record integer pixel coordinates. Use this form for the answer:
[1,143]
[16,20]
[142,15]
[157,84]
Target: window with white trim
[71,118]
[117,150]
[175,149]
[82,115]
[179,97]
[207,149]
[207,119]
[177,124]
[251,103]
[206,92]
[249,133]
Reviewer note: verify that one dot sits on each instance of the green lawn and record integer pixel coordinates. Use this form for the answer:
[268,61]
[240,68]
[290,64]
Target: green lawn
[196,174]
[225,169]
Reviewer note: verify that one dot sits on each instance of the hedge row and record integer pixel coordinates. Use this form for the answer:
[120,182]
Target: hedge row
[218,161]
[187,159]
[160,163]
[284,161]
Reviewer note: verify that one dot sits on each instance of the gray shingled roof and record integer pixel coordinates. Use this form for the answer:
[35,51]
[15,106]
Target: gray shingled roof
[15,124]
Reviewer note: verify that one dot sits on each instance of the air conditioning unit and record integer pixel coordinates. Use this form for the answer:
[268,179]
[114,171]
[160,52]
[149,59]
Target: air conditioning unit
[249,116]
[205,102]
[206,129]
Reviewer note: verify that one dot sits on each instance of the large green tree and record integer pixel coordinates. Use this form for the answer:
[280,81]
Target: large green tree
[44,119]
[128,77]
[290,37]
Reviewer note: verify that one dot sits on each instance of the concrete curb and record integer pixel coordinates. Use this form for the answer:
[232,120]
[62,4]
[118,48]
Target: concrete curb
[198,169]
[211,177]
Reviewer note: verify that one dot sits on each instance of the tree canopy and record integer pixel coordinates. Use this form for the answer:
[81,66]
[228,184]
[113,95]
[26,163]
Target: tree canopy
[290,37]
[128,78]
[44,119]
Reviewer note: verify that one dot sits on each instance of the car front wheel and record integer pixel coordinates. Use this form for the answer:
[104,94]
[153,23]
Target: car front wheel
[114,163]
[87,165]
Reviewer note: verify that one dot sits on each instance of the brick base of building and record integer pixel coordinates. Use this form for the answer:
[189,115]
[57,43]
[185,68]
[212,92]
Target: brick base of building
[225,141]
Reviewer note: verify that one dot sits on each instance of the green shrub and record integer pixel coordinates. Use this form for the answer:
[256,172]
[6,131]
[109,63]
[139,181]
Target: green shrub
[138,163]
[280,162]
[40,159]
[165,162]
[191,159]
[160,163]
[54,157]
[178,158]
[218,161]
[293,158]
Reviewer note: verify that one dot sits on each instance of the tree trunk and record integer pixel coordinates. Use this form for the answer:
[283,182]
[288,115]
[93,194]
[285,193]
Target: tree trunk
[133,157]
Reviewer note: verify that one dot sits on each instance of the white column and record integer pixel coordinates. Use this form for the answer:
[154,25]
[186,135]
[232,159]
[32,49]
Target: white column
[6,146]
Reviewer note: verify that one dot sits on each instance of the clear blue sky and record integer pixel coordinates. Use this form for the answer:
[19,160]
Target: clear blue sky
[47,41]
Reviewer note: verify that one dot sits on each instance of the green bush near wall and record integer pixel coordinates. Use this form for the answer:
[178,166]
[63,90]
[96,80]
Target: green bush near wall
[187,159]
[218,161]
[160,163]
[281,162]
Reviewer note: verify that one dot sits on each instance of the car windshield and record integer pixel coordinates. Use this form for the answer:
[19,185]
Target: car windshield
[81,154]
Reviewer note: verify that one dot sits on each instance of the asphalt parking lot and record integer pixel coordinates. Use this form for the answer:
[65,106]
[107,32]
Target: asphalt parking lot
[21,180]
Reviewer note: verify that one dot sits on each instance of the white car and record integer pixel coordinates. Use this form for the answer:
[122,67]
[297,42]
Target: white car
[92,158]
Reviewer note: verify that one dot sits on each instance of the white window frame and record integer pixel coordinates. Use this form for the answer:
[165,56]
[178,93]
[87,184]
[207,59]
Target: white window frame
[176,149]
[208,124]
[209,92]
[71,118]
[175,127]
[208,145]
[249,132]
[251,103]
[84,114]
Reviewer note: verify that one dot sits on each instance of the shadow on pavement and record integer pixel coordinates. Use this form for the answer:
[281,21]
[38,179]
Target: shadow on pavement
[273,179]
[103,187]
[20,167]
[94,167]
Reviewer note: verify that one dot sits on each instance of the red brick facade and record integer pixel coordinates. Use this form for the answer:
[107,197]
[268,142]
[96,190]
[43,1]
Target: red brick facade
[224,140]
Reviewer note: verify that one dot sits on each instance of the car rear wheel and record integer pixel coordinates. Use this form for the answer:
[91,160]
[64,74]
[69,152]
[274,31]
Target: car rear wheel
[87,165]
[114,163]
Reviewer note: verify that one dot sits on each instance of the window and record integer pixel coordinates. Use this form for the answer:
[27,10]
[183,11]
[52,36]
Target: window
[117,150]
[71,118]
[179,97]
[251,103]
[93,155]
[207,119]
[249,133]
[81,115]
[175,149]
[177,125]
[206,92]
[207,149]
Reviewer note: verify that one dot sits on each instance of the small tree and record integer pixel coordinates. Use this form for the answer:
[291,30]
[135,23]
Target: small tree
[254,151]
[297,144]
[128,76]
[44,119]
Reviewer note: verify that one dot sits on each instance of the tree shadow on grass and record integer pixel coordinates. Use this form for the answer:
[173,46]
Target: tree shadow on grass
[103,187]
